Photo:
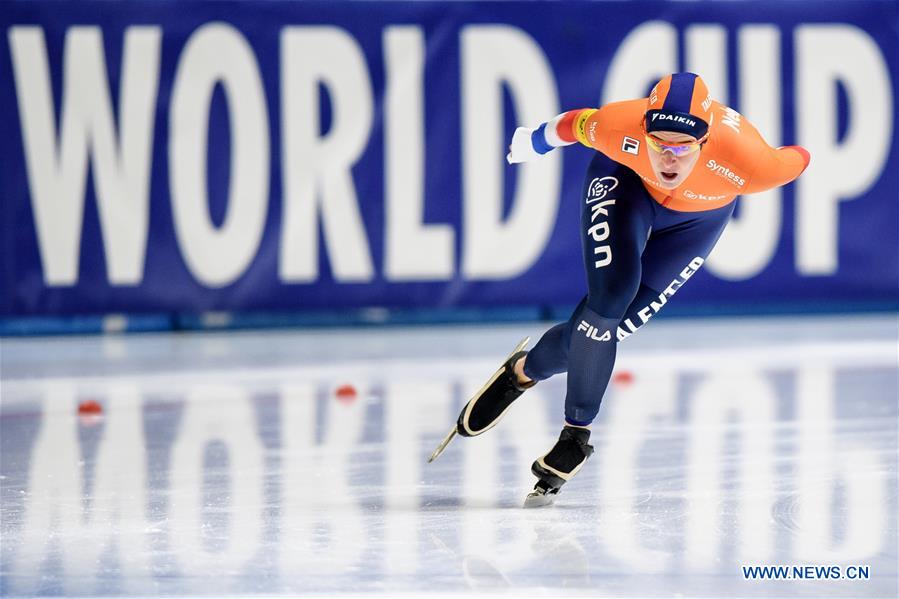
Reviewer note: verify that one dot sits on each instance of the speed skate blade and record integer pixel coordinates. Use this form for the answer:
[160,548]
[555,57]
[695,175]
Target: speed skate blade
[521,345]
[449,437]
[538,499]
[443,444]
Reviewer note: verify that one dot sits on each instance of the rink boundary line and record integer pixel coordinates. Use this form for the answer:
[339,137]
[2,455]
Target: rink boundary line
[864,354]
[406,594]
[418,594]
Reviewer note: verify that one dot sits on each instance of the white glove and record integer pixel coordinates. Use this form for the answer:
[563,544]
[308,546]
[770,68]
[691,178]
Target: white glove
[521,149]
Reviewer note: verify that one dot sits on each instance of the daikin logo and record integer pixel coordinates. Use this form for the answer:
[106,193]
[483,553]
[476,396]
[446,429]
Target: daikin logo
[674,118]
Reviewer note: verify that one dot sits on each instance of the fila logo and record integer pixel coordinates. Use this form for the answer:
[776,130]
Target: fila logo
[630,146]
[592,330]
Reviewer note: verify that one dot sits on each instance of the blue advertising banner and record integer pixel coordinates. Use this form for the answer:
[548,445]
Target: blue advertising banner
[256,155]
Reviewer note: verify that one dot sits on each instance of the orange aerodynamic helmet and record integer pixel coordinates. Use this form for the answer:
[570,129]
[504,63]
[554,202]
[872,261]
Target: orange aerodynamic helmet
[680,102]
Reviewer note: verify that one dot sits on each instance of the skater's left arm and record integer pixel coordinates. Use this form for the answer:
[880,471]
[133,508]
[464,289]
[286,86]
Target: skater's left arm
[777,166]
[563,130]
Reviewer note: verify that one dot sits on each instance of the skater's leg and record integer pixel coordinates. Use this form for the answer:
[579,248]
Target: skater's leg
[616,217]
[678,247]
[592,352]
[624,291]
[671,257]
[550,355]
[616,214]
[679,244]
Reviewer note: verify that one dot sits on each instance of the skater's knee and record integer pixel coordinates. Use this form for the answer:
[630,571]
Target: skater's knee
[613,299]
[594,324]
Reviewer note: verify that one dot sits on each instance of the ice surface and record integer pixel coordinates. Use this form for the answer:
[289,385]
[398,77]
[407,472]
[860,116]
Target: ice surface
[228,464]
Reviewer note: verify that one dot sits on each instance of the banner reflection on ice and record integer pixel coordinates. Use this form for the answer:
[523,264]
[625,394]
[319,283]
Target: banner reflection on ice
[753,462]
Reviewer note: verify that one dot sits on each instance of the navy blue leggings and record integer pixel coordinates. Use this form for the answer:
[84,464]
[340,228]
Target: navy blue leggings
[637,253]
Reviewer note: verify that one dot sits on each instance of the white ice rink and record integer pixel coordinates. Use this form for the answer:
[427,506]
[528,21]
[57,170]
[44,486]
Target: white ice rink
[228,464]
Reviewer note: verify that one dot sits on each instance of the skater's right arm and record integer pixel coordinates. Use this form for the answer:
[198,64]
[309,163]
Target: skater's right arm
[563,130]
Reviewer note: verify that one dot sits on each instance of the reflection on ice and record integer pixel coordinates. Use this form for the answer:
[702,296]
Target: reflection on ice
[235,483]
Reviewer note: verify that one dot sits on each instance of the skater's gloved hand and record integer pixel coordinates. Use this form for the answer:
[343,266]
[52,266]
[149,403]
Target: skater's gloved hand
[522,147]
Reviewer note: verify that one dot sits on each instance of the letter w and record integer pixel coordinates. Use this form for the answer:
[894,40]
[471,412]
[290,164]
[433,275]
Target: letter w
[57,168]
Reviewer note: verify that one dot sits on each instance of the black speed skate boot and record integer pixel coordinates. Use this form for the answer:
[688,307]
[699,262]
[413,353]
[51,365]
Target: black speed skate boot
[485,409]
[560,465]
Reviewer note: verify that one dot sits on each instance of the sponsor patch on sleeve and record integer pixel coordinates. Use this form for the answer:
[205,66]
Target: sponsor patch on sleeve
[630,146]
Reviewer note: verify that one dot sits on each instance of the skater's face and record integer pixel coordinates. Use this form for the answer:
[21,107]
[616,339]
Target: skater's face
[672,156]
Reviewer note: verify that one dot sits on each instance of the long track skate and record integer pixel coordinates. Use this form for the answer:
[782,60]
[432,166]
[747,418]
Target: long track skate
[453,431]
[559,465]
[540,497]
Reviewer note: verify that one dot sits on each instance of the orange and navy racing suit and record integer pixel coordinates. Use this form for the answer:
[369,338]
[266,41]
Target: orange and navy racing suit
[642,242]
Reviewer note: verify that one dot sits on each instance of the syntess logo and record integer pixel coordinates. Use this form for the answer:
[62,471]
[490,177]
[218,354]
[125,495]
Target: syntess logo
[630,146]
[692,195]
[723,171]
